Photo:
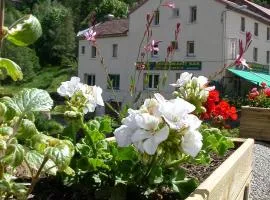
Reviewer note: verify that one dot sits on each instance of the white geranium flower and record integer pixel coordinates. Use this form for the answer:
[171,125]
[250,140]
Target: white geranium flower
[150,106]
[192,122]
[148,141]
[93,95]
[192,142]
[123,135]
[184,78]
[174,112]
[147,121]
[68,88]
[130,120]
[203,81]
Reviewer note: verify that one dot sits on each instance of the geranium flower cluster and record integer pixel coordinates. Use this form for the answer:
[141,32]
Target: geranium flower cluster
[260,97]
[193,89]
[83,97]
[217,109]
[153,123]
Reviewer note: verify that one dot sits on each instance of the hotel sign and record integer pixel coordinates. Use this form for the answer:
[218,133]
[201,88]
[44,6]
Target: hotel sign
[176,65]
[255,67]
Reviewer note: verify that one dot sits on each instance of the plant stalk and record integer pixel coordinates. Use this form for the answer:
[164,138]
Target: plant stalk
[2,19]
[36,177]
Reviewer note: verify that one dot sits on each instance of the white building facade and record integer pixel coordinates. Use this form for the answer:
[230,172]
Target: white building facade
[208,40]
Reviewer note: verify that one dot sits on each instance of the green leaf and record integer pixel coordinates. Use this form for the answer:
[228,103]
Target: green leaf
[29,100]
[27,129]
[60,109]
[127,153]
[83,149]
[93,125]
[61,153]
[106,125]
[6,131]
[156,175]
[25,31]
[11,68]
[96,164]
[14,154]
[185,187]
[35,159]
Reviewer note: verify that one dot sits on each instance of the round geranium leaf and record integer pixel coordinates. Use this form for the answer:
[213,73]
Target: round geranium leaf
[11,68]
[25,31]
[29,100]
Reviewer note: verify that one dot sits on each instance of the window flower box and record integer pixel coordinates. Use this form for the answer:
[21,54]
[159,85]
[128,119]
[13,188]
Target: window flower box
[254,123]
[231,180]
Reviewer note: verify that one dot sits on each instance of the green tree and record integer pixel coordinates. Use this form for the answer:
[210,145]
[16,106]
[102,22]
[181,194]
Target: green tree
[25,57]
[57,44]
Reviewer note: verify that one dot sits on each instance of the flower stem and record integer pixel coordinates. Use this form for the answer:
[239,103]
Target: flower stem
[175,162]
[150,167]
[36,177]
[2,19]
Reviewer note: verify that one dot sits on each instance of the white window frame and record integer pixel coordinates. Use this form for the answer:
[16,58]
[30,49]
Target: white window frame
[117,87]
[83,50]
[190,54]
[147,85]
[115,50]
[193,15]
[156,20]
[256,29]
[255,54]
[93,52]
[175,12]
[243,24]
[93,79]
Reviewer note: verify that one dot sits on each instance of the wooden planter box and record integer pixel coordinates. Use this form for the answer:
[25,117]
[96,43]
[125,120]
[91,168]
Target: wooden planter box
[231,180]
[255,123]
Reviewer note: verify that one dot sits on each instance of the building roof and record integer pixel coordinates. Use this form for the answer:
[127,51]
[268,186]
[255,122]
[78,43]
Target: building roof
[111,28]
[263,9]
[120,27]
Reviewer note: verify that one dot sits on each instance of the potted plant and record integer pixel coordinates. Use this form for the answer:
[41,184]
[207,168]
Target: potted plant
[254,121]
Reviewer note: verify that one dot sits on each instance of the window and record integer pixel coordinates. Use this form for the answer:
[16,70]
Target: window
[256,29]
[82,49]
[115,50]
[93,52]
[268,57]
[176,12]
[90,79]
[178,76]
[156,17]
[233,48]
[151,81]
[193,14]
[255,54]
[190,48]
[243,24]
[268,33]
[114,81]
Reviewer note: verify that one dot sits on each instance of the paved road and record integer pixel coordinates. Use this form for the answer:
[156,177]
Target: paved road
[260,186]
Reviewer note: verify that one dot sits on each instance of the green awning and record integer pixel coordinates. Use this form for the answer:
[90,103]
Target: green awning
[254,77]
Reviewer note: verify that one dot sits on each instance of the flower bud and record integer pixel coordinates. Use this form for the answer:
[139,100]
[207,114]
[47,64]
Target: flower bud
[72,114]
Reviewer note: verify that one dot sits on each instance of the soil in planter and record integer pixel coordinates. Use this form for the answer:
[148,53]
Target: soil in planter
[52,189]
